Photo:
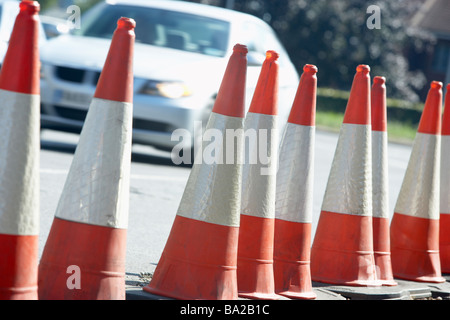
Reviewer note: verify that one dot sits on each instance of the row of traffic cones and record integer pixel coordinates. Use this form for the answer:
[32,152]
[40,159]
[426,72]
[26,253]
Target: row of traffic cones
[241,229]
[241,233]
[221,245]
[84,255]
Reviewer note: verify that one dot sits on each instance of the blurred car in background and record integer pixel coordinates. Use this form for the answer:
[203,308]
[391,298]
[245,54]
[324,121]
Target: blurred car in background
[181,52]
[8,12]
[53,26]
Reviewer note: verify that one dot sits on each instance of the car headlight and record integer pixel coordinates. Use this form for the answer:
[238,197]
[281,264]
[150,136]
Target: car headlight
[172,90]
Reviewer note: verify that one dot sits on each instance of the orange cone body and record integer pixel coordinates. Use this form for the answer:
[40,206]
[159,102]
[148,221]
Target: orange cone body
[256,233]
[444,222]
[415,225]
[199,259]
[84,256]
[342,250]
[19,160]
[293,206]
[380,184]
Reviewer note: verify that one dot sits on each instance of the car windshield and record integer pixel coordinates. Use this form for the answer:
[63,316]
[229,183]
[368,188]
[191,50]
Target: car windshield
[161,28]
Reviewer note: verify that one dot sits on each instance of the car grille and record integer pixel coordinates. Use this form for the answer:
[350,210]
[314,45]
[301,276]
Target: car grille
[80,115]
[70,113]
[152,125]
[76,75]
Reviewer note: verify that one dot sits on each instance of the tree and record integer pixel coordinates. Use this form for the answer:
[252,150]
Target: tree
[83,4]
[336,36]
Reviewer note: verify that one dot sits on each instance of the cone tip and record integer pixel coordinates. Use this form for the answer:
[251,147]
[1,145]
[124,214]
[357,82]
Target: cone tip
[358,105]
[240,48]
[126,23]
[430,121]
[436,85]
[378,104]
[303,110]
[272,55]
[118,88]
[379,80]
[230,99]
[363,68]
[29,6]
[310,68]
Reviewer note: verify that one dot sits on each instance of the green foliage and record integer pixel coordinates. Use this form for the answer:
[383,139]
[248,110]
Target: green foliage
[334,36]
[46,4]
[400,132]
[83,4]
[334,101]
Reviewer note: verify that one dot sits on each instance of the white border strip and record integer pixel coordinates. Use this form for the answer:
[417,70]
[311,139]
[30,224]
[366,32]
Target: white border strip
[349,187]
[213,191]
[19,163]
[380,181]
[259,179]
[419,194]
[295,177]
[97,186]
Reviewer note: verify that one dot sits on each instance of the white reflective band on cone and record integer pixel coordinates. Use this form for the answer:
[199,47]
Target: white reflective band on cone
[259,173]
[19,163]
[295,174]
[445,175]
[419,194]
[380,181]
[349,188]
[213,191]
[97,187]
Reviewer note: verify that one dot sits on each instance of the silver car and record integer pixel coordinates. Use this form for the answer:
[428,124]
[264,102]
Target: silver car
[180,56]
[9,9]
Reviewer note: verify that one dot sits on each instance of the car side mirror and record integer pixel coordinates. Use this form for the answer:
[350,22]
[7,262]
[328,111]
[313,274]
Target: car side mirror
[255,59]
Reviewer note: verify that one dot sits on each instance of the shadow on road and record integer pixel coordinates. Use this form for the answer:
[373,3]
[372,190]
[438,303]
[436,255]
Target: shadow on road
[136,156]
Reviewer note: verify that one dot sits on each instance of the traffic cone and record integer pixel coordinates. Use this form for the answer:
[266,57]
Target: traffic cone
[199,258]
[342,250]
[84,256]
[380,184]
[444,222]
[19,160]
[293,206]
[256,233]
[415,224]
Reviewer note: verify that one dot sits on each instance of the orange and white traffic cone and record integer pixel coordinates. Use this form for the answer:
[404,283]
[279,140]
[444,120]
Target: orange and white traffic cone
[380,184]
[293,206]
[415,224]
[19,160]
[342,250]
[84,256]
[444,218]
[256,234]
[200,256]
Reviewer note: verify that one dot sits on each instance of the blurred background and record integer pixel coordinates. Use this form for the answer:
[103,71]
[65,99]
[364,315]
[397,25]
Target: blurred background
[411,48]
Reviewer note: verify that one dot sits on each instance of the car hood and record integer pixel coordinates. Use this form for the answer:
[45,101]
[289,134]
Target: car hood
[150,62]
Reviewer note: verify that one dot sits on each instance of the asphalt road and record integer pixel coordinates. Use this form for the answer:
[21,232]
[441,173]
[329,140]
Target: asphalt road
[157,186]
